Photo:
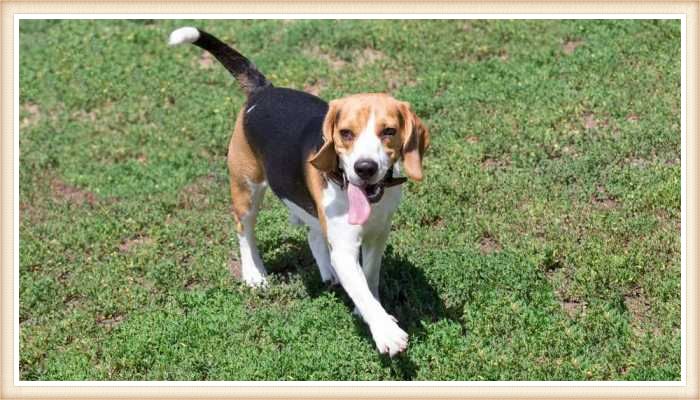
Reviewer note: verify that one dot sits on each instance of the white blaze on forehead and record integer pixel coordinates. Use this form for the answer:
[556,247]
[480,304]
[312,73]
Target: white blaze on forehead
[367,146]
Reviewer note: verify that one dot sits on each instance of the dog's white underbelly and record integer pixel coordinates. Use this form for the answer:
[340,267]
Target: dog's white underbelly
[298,216]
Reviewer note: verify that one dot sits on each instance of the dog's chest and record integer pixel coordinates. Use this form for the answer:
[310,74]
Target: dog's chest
[335,203]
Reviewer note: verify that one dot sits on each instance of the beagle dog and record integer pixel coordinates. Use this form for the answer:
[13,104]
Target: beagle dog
[334,165]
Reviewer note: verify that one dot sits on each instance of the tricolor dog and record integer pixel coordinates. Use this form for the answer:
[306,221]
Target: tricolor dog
[334,165]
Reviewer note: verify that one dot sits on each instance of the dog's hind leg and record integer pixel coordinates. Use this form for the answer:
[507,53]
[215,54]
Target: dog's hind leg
[319,248]
[252,268]
[247,190]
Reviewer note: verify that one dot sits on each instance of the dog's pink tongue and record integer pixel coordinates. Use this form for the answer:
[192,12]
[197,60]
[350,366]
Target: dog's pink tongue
[359,209]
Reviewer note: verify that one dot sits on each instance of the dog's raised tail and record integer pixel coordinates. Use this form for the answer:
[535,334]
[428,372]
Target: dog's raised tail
[240,67]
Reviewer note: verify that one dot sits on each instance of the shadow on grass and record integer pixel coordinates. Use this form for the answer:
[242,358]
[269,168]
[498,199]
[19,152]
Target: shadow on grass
[404,290]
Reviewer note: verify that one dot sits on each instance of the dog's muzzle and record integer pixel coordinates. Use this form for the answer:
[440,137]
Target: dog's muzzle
[374,192]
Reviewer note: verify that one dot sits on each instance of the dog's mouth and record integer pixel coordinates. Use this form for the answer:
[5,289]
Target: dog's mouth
[359,199]
[374,192]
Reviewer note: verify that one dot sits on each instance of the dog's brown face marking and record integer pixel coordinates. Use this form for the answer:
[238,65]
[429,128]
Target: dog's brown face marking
[395,128]
[353,119]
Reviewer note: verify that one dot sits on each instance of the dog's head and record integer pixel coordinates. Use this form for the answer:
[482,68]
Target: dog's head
[367,134]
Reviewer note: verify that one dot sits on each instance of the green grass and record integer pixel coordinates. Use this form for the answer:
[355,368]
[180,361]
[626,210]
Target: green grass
[544,243]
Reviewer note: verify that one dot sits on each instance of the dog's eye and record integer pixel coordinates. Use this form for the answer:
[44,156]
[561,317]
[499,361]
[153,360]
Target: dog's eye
[388,132]
[346,134]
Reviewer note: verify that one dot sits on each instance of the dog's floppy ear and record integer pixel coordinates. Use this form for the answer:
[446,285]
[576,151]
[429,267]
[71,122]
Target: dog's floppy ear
[416,140]
[326,159]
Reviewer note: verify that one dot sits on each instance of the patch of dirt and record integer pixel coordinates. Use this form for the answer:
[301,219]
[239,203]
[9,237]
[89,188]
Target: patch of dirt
[624,370]
[315,87]
[33,117]
[467,26]
[169,101]
[632,117]
[33,268]
[492,163]
[602,199]
[636,305]
[186,259]
[24,321]
[489,245]
[472,139]
[191,283]
[572,307]
[234,267]
[561,281]
[29,213]
[333,61]
[432,220]
[570,151]
[438,222]
[109,321]
[83,115]
[393,84]
[63,277]
[369,56]
[396,79]
[570,46]
[24,206]
[129,244]
[146,284]
[653,159]
[552,262]
[554,151]
[205,60]
[65,192]
[663,216]
[90,115]
[195,196]
[638,162]
[591,122]
[639,309]
[72,300]
[484,53]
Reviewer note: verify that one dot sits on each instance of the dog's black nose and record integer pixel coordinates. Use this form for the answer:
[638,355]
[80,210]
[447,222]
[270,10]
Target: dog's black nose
[366,169]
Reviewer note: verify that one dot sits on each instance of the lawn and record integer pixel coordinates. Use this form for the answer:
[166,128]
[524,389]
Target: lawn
[544,243]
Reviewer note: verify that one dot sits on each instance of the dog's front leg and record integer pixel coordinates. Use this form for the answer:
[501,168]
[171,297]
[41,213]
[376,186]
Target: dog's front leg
[388,336]
[373,247]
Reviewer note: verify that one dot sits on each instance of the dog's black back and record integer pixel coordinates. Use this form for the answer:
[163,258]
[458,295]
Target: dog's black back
[284,127]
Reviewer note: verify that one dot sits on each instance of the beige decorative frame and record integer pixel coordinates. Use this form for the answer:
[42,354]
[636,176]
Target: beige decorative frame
[687,388]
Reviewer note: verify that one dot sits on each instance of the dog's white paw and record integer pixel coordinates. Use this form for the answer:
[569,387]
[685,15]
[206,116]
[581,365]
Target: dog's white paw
[388,336]
[255,280]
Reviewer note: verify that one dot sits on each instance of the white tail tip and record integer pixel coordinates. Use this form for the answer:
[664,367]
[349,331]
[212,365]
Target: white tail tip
[187,34]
